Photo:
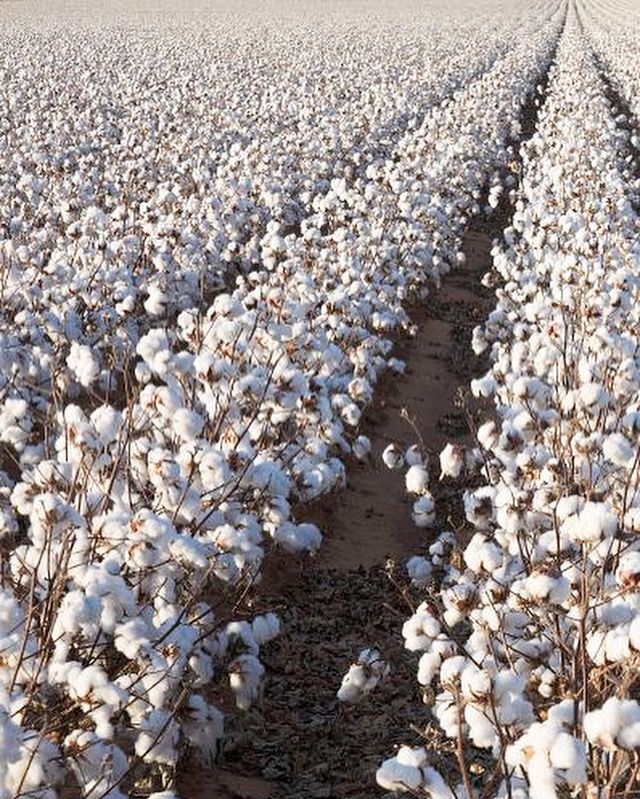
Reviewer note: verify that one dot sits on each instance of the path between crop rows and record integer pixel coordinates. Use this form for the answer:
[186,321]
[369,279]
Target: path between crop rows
[301,744]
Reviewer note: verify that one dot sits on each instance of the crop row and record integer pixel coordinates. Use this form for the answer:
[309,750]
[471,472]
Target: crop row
[531,633]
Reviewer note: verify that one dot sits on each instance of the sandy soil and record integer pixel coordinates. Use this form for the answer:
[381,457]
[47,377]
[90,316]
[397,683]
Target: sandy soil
[370,520]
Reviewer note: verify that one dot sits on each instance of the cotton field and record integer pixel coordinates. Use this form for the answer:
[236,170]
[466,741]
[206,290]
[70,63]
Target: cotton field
[320,399]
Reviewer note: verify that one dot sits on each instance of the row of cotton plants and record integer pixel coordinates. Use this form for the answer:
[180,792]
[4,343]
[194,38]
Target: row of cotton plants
[614,31]
[153,444]
[530,635]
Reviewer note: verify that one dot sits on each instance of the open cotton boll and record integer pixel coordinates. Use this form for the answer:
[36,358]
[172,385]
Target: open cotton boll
[245,676]
[83,364]
[628,571]
[298,537]
[409,771]
[594,396]
[351,414]
[417,479]
[361,448]
[419,570]
[423,511]
[363,676]
[156,302]
[550,756]
[482,554]
[420,630]
[154,349]
[451,461]
[404,771]
[15,422]
[187,424]
[483,386]
[97,766]
[617,448]
[413,456]
[428,667]
[616,725]
[593,523]
[487,435]
[545,587]
[392,457]
[107,422]
[394,775]
[397,365]
[265,628]
[158,738]
[203,728]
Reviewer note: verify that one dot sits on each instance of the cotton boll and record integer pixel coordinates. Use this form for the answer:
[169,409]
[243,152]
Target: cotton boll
[615,725]
[392,457]
[107,422]
[483,387]
[298,537]
[423,511]
[351,414]
[428,667]
[451,461]
[458,601]
[396,776]
[83,364]
[203,728]
[478,506]
[487,435]
[413,456]
[482,554]
[156,302]
[594,522]
[409,771]
[97,766]
[550,756]
[628,571]
[616,645]
[617,448]
[419,570]
[265,628]
[187,424]
[245,676]
[417,479]
[15,422]
[634,633]
[594,396]
[482,731]
[363,676]
[214,471]
[475,683]
[158,738]
[361,448]
[396,365]
[420,630]
[544,587]
[153,347]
